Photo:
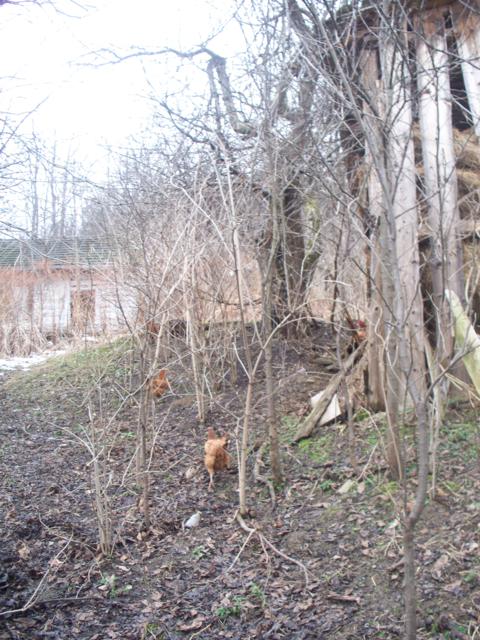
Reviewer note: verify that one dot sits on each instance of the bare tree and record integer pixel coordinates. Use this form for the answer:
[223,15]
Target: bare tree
[261,127]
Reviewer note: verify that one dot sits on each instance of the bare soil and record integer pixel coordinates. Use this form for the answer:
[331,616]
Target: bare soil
[214,581]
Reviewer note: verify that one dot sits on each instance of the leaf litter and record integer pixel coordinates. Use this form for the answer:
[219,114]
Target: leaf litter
[205,581]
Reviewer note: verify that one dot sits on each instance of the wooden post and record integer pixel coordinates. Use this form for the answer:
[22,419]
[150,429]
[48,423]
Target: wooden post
[402,172]
[467,32]
[440,178]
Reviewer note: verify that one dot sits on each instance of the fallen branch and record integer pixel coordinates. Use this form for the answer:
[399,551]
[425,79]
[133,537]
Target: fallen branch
[307,426]
[264,541]
[340,598]
[33,598]
[397,565]
[241,551]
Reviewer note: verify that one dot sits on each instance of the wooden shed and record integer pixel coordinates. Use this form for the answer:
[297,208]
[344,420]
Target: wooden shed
[57,287]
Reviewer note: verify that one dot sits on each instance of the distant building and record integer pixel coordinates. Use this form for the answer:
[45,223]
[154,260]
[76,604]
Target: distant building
[56,287]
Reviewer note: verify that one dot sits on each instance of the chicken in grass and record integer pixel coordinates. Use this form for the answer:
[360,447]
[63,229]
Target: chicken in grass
[159,384]
[216,457]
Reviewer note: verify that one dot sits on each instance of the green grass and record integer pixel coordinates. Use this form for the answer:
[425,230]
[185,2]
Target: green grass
[361,415]
[461,439]
[318,449]
[152,631]
[75,372]
[288,428]
[199,552]
[257,594]
[109,584]
[235,609]
[388,488]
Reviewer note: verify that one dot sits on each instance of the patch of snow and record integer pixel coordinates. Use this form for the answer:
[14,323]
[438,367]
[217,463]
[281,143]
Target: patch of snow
[16,363]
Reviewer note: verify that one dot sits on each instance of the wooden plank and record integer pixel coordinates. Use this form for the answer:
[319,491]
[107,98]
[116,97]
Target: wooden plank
[467,32]
[439,172]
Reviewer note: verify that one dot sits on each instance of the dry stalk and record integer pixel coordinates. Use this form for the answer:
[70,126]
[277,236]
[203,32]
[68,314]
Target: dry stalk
[33,598]
[100,482]
[265,542]
[259,478]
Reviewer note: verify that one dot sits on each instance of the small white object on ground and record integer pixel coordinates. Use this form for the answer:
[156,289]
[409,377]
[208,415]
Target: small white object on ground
[193,521]
[346,486]
[191,472]
[333,409]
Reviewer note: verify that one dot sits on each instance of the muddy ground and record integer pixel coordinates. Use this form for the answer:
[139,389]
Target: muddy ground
[334,570]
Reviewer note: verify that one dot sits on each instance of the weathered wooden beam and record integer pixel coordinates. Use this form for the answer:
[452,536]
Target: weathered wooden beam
[439,170]
[407,309]
[467,32]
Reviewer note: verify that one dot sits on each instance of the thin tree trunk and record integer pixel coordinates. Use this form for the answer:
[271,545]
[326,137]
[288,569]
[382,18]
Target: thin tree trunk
[376,211]
[392,374]
[407,305]
[412,515]
[141,457]
[194,343]
[376,335]
[144,464]
[376,368]
[410,582]
[270,388]
[242,469]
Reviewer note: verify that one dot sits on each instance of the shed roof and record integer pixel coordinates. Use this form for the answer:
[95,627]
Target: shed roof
[58,252]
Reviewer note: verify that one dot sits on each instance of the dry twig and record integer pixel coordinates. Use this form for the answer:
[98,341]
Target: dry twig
[264,541]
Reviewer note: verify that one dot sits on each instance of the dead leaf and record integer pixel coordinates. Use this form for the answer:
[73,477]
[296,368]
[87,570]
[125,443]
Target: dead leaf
[84,616]
[55,563]
[24,551]
[346,486]
[305,604]
[453,587]
[195,624]
[191,472]
[156,596]
[11,514]
[439,565]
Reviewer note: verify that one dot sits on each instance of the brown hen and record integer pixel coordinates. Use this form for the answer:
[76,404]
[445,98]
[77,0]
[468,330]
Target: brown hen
[216,457]
[159,384]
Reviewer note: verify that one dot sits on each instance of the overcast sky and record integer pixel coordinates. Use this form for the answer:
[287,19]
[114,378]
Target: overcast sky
[42,51]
